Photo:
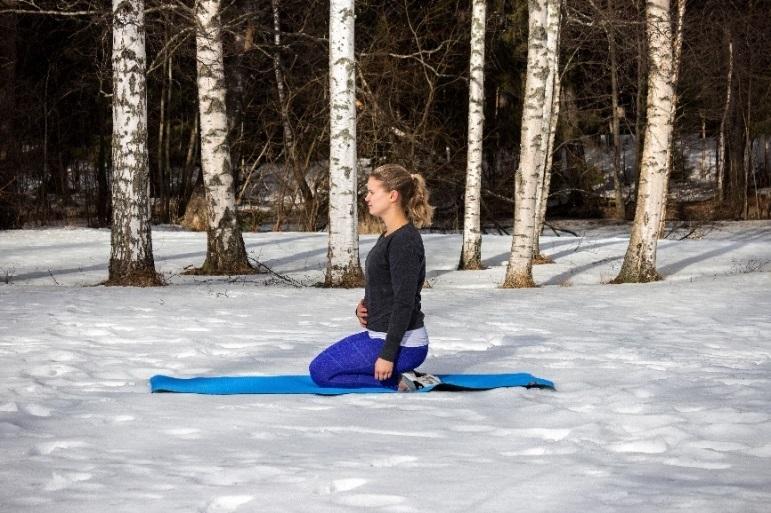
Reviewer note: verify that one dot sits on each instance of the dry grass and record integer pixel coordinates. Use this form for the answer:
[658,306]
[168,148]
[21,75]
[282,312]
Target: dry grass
[369,225]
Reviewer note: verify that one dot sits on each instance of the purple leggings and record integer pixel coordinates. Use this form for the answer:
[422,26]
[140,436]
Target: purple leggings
[350,363]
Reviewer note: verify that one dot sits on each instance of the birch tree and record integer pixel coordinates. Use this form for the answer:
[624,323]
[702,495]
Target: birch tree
[640,259]
[225,251]
[471,254]
[551,106]
[532,159]
[677,51]
[131,257]
[343,268]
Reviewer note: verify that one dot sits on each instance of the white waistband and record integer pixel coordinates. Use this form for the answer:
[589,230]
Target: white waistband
[412,338]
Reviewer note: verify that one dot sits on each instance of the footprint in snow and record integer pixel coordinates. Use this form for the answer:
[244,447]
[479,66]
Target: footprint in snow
[50,371]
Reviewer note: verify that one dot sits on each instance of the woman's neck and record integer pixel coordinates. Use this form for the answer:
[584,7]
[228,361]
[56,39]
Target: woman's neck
[394,221]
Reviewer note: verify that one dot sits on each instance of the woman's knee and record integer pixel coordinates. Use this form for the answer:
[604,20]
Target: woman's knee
[318,370]
[411,358]
[346,355]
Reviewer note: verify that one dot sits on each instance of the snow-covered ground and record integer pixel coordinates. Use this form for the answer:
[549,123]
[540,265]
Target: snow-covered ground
[663,400]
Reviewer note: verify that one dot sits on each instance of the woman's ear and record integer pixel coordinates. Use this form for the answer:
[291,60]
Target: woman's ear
[393,196]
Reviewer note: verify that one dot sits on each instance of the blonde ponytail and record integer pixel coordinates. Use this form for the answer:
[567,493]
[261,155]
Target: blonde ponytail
[412,191]
[418,208]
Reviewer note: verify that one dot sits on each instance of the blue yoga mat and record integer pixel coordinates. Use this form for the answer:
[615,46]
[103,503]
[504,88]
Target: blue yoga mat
[225,385]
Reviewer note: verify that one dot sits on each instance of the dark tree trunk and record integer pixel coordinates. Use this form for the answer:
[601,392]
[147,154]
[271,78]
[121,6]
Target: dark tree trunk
[103,213]
[186,187]
[290,145]
[9,211]
[735,139]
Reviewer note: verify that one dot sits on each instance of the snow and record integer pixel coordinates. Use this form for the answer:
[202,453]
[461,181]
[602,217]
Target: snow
[662,400]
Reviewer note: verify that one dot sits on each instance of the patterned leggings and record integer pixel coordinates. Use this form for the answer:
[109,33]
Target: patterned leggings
[350,363]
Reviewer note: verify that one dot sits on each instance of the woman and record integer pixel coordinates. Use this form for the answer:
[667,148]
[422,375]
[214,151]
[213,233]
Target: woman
[396,341]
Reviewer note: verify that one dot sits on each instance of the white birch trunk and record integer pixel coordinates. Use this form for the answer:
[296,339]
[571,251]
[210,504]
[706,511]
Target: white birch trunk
[720,167]
[677,52]
[471,255]
[131,257]
[225,252]
[551,115]
[531,160]
[640,259]
[544,198]
[343,268]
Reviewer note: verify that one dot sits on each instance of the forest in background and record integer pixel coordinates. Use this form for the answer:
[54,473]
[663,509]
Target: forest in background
[411,98]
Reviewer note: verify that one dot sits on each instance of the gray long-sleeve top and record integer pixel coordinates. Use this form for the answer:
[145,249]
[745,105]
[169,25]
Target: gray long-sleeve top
[395,272]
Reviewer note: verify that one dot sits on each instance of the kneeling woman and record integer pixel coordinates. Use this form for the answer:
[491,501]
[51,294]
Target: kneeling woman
[396,340]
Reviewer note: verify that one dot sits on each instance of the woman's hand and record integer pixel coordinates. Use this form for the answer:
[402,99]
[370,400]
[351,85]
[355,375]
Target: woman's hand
[361,313]
[383,369]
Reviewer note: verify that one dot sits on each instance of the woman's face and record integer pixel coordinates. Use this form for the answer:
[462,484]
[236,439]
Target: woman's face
[378,199]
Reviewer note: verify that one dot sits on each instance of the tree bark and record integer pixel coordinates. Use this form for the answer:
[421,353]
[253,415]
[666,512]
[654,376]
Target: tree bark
[131,258]
[640,259]
[471,253]
[551,116]
[343,268]
[225,251]
[720,160]
[677,52]
[186,188]
[161,188]
[235,108]
[103,195]
[9,211]
[642,69]
[167,180]
[531,161]
[736,142]
[748,157]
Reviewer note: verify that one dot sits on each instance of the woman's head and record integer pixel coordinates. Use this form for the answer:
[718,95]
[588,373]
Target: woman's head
[390,185]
